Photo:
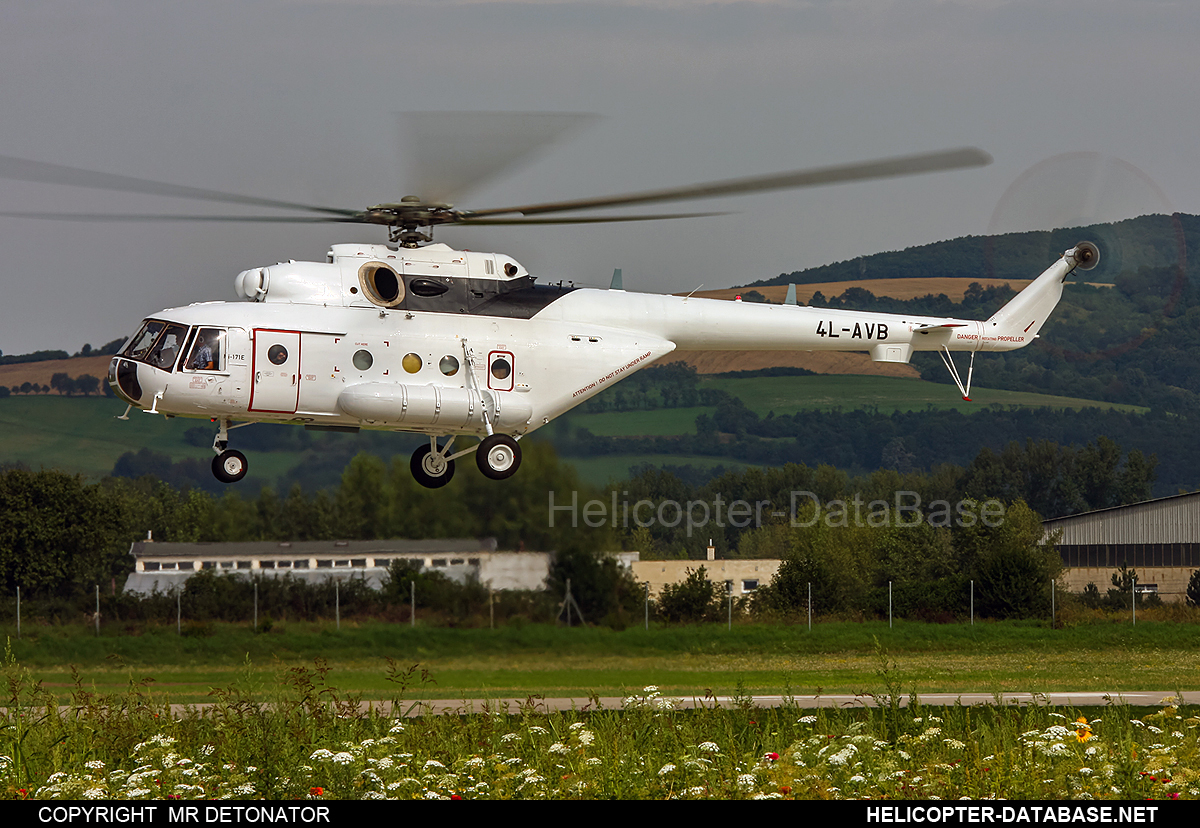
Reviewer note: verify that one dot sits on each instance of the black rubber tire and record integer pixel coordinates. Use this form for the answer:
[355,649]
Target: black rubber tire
[230,466]
[425,475]
[498,456]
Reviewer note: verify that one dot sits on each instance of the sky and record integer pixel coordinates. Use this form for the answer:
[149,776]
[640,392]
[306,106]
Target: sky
[1088,109]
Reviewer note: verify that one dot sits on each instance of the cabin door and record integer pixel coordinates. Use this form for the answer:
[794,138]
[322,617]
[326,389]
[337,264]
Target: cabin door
[276,371]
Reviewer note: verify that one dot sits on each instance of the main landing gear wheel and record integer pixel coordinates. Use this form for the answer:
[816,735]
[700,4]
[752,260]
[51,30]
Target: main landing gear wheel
[430,468]
[498,456]
[230,466]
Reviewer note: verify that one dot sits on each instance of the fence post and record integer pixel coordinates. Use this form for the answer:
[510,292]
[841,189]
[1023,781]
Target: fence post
[1053,608]
[889,605]
[256,606]
[179,612]
[97,609]
[337,605]
[18,613]
[1133,597]
[647,605]
[972,602]
[412,600]
[492,609]
[810,606]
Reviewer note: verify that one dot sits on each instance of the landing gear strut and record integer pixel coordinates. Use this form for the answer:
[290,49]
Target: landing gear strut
[228,466]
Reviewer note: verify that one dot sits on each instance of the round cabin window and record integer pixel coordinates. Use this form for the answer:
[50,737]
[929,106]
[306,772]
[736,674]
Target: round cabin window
[363,360]
[381,284]
[277,354]
[500,368]
[412,363]
[449,366]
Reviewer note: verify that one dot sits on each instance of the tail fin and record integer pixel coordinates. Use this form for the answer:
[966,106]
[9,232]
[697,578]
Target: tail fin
[1028,311]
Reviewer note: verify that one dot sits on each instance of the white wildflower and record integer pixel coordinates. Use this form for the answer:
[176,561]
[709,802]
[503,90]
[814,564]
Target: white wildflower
[665,769]
[559,748]
[433,764]
[342,758]
[708,747]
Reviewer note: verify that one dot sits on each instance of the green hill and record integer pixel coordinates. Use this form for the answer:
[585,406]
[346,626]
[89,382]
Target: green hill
[1146,241]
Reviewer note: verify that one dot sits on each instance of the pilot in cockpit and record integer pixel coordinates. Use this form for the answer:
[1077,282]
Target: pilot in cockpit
[202,357]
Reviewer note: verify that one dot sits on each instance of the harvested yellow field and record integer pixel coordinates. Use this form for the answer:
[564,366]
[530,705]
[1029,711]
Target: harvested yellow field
[40,372]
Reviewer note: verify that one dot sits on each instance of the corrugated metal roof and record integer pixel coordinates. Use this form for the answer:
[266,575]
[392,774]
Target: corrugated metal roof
[1174,519]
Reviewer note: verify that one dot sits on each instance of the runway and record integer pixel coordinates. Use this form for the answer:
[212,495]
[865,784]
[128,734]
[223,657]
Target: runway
[1080,698]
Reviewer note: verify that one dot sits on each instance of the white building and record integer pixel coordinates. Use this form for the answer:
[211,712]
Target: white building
[164,566]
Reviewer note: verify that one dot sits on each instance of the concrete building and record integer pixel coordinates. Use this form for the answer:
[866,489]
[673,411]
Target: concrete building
[1159,539]
[164,566]
[742,576]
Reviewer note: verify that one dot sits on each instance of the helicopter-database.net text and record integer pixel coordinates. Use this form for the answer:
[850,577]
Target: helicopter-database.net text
[806,509]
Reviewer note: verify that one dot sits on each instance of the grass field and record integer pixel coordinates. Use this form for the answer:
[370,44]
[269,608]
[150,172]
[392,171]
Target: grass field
[82,435]
[519,661]
[283,727]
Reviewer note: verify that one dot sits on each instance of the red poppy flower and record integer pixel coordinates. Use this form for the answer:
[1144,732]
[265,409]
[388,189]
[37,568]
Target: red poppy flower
[316,791]
[785,790]
[455,796]
[772,756]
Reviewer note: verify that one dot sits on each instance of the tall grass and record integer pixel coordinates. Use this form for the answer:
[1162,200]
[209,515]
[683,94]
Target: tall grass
[312,741]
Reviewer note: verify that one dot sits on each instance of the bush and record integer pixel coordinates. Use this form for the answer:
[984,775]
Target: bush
[695,599]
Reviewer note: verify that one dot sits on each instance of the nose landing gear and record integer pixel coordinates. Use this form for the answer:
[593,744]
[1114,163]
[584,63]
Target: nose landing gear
[229,466]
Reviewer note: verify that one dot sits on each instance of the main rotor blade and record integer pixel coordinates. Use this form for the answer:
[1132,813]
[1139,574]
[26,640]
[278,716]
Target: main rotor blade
[352,219]
[883,168]
[466,222]
[452,153]
[22,169]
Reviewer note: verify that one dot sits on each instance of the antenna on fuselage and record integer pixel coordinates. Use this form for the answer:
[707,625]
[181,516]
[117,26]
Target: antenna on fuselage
[617,284]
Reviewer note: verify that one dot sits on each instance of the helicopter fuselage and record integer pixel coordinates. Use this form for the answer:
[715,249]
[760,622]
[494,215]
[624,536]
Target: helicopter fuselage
[448,342]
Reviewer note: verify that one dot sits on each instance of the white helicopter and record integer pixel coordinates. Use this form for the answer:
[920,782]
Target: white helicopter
[419,337]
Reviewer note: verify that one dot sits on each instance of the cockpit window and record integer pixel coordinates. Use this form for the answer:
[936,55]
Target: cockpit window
[166,350]
[206,351]
[143,341]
